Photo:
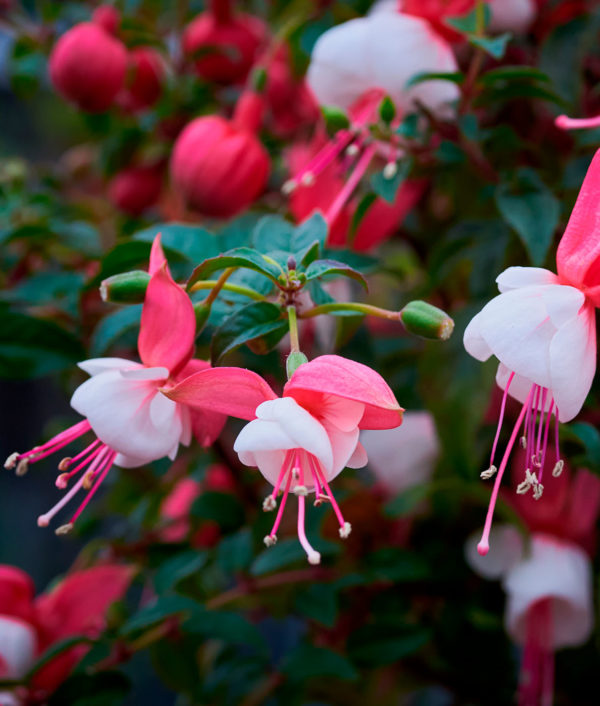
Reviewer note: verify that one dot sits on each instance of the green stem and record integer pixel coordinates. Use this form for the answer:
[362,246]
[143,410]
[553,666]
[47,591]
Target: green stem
[219,284]
[293,323]
[359,308]
[228,287]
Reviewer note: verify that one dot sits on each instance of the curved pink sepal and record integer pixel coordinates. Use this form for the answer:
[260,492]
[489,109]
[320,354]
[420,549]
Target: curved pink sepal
[168,325]
[206,425]
[236,392]
[157,256]
[578,254]
[334,375]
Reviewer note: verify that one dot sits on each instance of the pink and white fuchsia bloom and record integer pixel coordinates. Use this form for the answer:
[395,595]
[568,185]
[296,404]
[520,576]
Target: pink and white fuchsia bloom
[548,583]
[122,402]
[301,441]
[542,330]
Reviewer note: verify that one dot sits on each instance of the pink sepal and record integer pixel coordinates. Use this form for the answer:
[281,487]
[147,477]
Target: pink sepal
[157,256]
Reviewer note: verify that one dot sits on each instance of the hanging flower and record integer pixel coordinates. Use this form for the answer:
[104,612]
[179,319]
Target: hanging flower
[300,442]
[549,583]
[134,423]
[146,73]
[136,188]
[542,329]
[30,626]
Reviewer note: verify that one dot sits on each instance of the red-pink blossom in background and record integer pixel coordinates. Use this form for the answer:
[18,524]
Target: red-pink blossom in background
[542,330]
[223,44]
[145,76]
[123,401]
[134,189]
[30,626]
[88,66]
[304,439]
[219,166]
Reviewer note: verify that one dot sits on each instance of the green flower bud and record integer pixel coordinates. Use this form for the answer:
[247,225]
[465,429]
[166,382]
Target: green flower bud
[335,119]
[426,320]
[294,360]
[125,288]
[387,110]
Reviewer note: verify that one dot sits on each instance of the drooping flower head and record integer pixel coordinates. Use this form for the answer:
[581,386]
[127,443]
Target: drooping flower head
[301,441]
[549,581]
[542,330]
[353,66]
[133,421]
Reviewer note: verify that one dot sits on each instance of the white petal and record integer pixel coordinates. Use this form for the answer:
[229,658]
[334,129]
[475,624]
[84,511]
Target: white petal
[269,463]
[573,363]
[17,646]
[405,456]
[93,366]
[512,15]
[562,302]
[557,570]
[516,277]
[359,458]
[519,386]
[124,413]
[518,329]
[474,344]
[343,445]
[128,461]
[143,373]
[506,550]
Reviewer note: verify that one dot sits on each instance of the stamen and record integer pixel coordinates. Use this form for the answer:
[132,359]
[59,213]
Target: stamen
[66,462]
[269,503]
[300,491]
[545,444]
[104,468]
[11,461]
[556,442]
[313,556]
[289,187]
[64,529]
[345,193]
[22,467]
[325,156]
[389,172]
[558,468]
[44,520]
[566,123]
[484,545]
[499,427]
[321,476]
[489,473]
[345,530]
[308,179]
[64,478]
[277,522]
[270,540]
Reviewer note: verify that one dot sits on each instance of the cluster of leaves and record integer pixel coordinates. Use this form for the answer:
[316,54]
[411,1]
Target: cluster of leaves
[395,614]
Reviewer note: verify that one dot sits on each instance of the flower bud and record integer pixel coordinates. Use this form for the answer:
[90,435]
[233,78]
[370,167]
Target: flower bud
[125,288]
[218,167]
[87,67]
[223,46]
[145,77]
[294,360]
[135,189]
[426,320]
[107,17]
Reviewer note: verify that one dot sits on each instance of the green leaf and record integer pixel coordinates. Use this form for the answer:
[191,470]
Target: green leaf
[309,662]
[398,565]
[386,188]
[79,235]
[309,236]
[193,243]
[532,210]
[101,689]
[494,46]
[589,436]
[234,553]
[273,233]
[164,607]
[239,257]
[319,602]
[56,289]
[248,323]
[289,551]
[123,257]
[221,625]
[513,73]
[31,347]
[453,76]
[372,647]
[319,268]
[113,326]
[177,568]
[223,508]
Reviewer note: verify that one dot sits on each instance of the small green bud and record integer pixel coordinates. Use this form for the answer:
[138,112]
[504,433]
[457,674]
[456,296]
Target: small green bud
[294,360]
[202,312]
[335,119]
[387,110]
[426,320]
[258,79]
[125,288]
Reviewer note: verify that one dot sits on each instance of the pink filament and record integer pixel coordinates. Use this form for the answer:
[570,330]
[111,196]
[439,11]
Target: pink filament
[545,444]
[67,476]
[321,477]
[351,184]
[484,545]
[286,490]
[81,454]
[326,155]
[556,443]
[284,467]
[566,123]
[313,556]
[57,442]
[501,419]
[540,425]
[101,473]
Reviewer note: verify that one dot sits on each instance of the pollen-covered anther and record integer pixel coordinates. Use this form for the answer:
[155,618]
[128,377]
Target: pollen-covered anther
[270,540]
[523,442]
[269,503]
[529,482]
[308,179]
[88,479]
[320,500]
[288,187]
[62,481]
[538,491]
[11,461]
[301,490]
[489,473]
[65,463]
[352,150]
[558,468]
[390,170]
[536,459]
[64,529]
[345,530]
[22,467]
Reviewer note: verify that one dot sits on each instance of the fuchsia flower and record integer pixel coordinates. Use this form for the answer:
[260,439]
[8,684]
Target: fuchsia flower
[136,188]
[123,405]
[29,627]
[549,583]
[300,442]
[542,329]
